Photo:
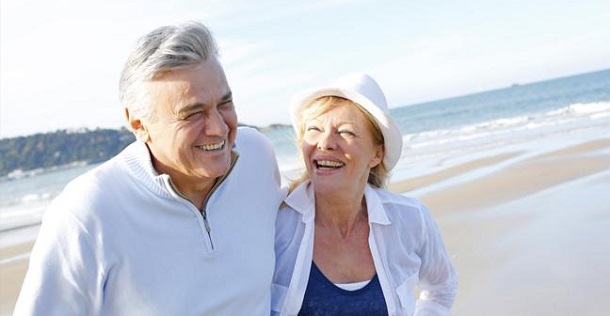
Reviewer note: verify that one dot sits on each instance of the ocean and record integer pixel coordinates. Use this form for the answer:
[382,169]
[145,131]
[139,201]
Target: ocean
[433,132]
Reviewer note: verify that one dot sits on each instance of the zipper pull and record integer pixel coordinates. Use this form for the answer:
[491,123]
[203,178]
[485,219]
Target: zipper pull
[207,228]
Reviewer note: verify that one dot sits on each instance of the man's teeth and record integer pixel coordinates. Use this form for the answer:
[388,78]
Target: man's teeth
[211,147]
[328,163]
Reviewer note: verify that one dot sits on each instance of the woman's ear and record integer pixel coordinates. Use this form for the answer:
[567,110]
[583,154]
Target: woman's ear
[377,157]
[137,127]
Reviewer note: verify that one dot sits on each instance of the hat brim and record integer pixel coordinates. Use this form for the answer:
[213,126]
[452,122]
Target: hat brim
[391,134]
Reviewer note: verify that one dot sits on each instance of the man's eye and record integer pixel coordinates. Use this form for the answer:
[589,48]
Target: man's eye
[226,105]
[192,116]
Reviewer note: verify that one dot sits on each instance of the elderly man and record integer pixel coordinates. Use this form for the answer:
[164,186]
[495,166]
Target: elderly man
[181,222]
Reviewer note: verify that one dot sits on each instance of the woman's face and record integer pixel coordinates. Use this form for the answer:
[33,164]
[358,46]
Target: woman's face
[339,150]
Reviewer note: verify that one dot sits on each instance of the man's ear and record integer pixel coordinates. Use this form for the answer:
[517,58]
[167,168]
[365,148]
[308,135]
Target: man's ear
[137,127]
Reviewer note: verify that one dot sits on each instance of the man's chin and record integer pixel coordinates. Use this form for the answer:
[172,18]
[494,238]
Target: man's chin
[214,171]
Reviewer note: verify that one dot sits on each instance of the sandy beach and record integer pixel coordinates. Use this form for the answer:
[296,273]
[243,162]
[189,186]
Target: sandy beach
[528,227]
[529,237]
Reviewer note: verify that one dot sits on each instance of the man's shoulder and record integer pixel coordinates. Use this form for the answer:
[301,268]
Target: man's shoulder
[249,134]
[101,182]
[251,140]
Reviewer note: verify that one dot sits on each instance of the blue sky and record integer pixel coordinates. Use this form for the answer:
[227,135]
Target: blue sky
[60,60]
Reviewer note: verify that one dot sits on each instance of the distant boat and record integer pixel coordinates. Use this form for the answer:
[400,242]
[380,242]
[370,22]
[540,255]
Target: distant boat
[514,85]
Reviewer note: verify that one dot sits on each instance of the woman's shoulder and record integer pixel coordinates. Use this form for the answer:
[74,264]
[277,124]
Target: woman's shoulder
[401,201]
[406,211]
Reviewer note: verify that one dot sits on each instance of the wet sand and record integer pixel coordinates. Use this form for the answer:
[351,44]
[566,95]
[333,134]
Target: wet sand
[529,230]
[13,265]
[529,238]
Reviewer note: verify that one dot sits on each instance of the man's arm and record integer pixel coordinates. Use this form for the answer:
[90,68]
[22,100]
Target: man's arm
[63,274]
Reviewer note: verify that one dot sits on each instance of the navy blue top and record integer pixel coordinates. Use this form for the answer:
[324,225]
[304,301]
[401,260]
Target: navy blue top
[322,297]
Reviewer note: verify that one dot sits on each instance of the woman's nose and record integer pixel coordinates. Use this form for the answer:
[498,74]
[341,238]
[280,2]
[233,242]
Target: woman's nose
[327,141]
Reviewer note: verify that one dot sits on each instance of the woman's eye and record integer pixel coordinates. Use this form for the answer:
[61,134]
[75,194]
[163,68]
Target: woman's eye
[346,132]
[312,128]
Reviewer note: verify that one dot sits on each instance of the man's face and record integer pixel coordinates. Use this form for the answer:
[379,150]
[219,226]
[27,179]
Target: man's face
[193,126]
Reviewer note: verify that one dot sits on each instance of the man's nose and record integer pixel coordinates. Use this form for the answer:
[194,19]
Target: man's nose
[216,124]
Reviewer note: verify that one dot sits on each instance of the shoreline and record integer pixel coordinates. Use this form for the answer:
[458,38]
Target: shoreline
[518,179]
[492,210]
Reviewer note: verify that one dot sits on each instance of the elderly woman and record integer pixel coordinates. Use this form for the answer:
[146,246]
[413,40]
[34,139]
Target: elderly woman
[344,245]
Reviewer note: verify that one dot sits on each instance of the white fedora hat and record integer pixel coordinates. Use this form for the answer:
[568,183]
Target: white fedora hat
[361,89]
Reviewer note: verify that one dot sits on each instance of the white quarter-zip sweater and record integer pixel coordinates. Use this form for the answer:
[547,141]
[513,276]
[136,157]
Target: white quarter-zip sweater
[119,240]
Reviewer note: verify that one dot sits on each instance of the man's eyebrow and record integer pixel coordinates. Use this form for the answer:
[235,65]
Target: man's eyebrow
[227,97]
[195,106]
[191,107]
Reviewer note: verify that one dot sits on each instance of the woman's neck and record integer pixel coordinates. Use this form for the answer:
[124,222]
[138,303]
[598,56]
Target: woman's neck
[344,212]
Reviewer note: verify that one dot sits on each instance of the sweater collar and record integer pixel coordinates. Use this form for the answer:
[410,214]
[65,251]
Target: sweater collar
[139,163]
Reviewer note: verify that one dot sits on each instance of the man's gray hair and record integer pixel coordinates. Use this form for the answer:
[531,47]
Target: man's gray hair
[164,49]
